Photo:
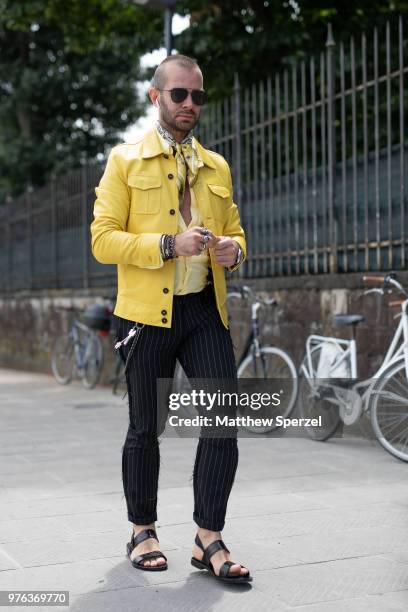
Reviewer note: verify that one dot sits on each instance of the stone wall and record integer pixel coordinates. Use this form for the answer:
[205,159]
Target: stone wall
[30,321]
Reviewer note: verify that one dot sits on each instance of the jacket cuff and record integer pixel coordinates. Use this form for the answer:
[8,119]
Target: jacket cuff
[149,251]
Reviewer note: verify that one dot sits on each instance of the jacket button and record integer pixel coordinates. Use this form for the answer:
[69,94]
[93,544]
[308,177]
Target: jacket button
[165,156]
[165,290]
[172,211]
[164,312]
[170,176]
[164,320]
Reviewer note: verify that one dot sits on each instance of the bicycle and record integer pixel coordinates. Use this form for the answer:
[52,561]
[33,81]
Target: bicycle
[258,361]
[105,326]
[382,397]
[80,352]
[118,378]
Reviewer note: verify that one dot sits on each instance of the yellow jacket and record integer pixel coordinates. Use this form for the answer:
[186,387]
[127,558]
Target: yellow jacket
[137,202]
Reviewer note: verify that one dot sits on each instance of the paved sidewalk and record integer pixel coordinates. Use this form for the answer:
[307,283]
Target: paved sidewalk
[323,527]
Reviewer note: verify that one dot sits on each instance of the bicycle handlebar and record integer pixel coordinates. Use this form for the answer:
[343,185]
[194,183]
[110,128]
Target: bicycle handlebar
[247,292]
[388,280]
[243,290]
[374,290]
[374,279]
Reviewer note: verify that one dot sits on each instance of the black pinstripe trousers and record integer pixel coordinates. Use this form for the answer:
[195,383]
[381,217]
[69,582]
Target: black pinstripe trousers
[199,340]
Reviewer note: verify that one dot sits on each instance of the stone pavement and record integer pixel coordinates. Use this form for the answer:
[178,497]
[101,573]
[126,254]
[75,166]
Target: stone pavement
[323,527]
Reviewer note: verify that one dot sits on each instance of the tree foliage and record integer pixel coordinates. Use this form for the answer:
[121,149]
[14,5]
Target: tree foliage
[67,82]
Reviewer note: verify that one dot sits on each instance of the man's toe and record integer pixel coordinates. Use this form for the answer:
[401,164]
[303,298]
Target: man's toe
[238,569]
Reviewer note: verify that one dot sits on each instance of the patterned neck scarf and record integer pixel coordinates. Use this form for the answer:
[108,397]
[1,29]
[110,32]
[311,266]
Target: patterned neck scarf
[186,156]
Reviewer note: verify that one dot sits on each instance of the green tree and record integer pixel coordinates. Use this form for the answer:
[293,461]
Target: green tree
[67,82]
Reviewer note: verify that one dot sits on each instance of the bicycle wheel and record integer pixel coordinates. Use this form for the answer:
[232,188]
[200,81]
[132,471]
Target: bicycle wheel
[63,360]
[314,401]
[389,410]
[93,361]
[272,363]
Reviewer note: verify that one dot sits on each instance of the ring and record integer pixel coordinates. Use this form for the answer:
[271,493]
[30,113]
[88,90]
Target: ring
[205,231]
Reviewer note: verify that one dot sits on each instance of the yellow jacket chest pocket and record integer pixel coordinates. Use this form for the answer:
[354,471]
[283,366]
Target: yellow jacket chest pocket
[145,193]
[219,197]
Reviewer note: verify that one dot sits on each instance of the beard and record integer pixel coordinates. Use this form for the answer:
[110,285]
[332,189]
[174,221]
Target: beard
[179,125]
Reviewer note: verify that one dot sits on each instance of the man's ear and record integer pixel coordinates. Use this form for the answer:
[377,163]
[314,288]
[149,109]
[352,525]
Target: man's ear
[154,95]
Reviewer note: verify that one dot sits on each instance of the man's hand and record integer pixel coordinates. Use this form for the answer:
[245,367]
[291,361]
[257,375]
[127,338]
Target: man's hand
[192,241]
[226,251]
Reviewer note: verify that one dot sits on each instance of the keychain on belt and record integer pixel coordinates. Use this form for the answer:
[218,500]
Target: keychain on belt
[133,333]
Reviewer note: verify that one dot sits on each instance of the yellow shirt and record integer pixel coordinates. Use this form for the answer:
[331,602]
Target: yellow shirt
[190,272]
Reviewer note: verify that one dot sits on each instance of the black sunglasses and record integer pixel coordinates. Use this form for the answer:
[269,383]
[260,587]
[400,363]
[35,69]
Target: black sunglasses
[179,94]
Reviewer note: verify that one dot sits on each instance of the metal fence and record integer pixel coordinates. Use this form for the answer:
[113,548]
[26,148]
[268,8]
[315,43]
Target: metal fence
[318,155]
[45,237]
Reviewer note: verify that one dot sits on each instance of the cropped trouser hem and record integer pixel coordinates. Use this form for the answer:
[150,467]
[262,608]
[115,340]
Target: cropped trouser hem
[208,524]
[143,521]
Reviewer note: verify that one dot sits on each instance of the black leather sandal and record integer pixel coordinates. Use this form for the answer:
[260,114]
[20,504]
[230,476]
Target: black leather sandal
[205,563]
[138,561]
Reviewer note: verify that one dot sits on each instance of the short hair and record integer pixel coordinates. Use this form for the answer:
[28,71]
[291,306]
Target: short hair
[159,77]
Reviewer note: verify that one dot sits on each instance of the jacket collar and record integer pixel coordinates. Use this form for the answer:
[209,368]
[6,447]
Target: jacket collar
[152,146]
[205,156]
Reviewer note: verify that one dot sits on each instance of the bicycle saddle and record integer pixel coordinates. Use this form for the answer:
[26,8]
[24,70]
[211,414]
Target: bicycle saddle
[350,319]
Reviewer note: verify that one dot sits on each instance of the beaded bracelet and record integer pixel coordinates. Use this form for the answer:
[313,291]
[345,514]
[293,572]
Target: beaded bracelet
[168,246]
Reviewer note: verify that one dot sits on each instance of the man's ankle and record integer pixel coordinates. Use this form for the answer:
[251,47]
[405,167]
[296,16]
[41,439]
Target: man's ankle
[138,528]
[207,533]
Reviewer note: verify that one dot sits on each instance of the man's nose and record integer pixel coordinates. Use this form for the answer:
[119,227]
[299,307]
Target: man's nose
[188,102]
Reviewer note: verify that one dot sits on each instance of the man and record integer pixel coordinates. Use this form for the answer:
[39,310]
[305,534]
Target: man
[164,213]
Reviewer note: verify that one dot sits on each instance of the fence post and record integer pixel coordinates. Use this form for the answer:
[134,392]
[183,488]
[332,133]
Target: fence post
[85,237]
[237,139]
[29,203]
[9,252]
[54,245]
[331,149]
[238,150]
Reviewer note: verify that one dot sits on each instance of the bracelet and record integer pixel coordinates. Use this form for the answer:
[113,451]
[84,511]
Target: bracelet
[168,246]
[171,246]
